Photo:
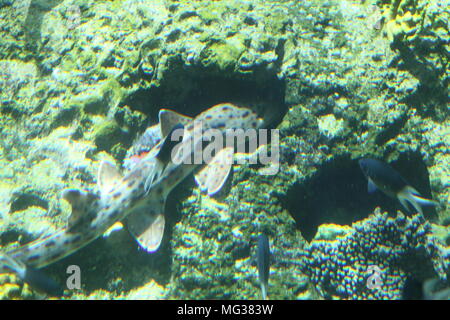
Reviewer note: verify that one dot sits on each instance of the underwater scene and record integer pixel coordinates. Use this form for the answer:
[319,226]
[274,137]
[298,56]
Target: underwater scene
[230,150]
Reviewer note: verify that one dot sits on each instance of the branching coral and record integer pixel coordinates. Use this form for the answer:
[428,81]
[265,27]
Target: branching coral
[396,247]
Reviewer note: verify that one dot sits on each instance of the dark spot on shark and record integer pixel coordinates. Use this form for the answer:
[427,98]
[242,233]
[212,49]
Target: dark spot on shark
[8,268]
[55,256]
[114,214]
[116,195]
[50,244]
[77,237]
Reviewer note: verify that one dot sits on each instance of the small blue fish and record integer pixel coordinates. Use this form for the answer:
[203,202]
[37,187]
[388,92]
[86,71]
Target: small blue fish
[263,262]
[382,176]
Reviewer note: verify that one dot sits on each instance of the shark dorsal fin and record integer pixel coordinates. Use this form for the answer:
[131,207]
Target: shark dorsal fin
[146,225]
[164,155]
[80,202]
[173,138]
[212,177]
[108,177]
[169,119]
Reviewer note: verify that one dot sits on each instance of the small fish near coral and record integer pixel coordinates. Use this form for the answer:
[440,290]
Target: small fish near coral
[383,177]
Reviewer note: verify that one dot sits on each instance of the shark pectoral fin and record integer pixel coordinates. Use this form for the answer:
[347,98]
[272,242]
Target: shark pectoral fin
[151,238]
[371,187]
[147,226]
[214,175]
[108,176]
[80,201]
[169,119]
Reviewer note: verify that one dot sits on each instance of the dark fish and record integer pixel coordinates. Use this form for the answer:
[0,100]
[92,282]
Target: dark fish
[263,262]
[34,277]
[382,176]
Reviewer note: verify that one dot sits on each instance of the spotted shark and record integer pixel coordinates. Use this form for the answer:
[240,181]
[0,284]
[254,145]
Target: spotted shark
[137,196]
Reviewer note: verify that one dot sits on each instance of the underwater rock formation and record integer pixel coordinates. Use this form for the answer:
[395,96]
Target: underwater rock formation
[341,80]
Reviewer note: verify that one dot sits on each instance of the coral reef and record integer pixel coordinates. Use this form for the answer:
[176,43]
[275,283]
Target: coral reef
[399,247]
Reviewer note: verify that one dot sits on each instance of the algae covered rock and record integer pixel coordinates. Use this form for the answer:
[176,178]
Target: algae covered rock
[340,80]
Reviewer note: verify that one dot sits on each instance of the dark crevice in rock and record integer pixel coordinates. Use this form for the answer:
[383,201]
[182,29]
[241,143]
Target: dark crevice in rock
[337,193]
[191,92]
[25,200]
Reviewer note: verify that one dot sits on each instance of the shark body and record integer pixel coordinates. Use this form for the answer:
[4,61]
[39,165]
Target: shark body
[137,198]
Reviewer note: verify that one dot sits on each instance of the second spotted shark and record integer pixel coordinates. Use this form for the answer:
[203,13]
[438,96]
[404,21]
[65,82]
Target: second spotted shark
[138,197]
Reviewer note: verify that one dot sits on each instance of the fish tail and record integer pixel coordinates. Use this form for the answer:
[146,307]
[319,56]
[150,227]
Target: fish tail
[412,196]
[424,202]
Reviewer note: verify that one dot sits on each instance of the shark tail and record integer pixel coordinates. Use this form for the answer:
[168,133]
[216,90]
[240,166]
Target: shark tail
[411,196]
[34,277]
[9,264]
